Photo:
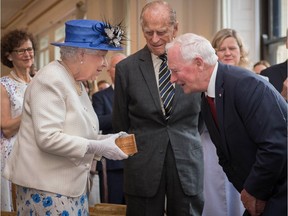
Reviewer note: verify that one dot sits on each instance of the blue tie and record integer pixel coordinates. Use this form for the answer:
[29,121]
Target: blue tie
[166,88]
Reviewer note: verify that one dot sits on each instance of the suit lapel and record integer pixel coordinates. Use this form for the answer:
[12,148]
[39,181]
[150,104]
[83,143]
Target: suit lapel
[219,98]
[147,71]
[219,93]
[284,71]
[178,92]
[210,124]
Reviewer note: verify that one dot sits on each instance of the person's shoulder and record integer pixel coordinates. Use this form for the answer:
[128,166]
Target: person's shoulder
[232,70]
[5,79]
[277,67]
[102,93]
[135,56]
[51,74]
[234,75]
[8,83]
[98,94]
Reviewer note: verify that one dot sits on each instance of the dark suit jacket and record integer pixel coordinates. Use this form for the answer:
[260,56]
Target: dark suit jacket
[102,102]
[251,140]
[137,110]
[277,74]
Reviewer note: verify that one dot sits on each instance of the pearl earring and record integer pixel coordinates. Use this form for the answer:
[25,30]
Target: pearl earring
[81,62]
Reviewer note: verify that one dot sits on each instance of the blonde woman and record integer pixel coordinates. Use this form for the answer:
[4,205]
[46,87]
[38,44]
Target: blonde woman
[230,48]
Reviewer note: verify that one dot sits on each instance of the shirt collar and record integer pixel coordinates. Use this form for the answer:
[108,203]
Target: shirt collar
[155,57]
[211,86]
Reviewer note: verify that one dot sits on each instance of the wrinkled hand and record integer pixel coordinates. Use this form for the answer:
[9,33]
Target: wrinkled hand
[107,148]
[254,206]
[284,92]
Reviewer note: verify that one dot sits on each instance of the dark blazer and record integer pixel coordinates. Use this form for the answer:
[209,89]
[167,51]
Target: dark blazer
[102,102]
[251,137]
[277,74]
[137,110]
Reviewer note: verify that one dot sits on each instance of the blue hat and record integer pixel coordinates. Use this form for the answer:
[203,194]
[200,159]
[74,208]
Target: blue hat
[92,34]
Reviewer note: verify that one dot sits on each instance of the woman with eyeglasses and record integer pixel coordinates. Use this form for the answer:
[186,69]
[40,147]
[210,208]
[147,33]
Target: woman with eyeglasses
[17,53]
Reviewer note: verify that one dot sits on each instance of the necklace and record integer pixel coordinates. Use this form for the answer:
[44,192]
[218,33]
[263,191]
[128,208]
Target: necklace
[14,75]
[77,84]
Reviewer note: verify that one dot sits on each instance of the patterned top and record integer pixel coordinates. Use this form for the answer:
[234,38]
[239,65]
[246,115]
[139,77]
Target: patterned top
[15,92]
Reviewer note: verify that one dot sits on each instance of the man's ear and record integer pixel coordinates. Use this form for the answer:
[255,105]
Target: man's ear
[175,30]
[199,63]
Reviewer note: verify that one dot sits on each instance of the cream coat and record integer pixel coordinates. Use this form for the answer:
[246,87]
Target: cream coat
[49,153]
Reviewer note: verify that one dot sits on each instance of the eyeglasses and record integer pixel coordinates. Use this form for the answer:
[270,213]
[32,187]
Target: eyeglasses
[22,51]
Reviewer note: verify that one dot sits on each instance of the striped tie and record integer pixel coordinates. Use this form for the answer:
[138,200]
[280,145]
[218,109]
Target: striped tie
[166,88]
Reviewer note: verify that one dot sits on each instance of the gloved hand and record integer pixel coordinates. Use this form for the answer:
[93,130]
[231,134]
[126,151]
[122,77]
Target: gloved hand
[106,136]
[107,148]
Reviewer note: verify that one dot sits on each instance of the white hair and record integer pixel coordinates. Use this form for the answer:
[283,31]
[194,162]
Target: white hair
[193,46]
[71,52]
[68,52]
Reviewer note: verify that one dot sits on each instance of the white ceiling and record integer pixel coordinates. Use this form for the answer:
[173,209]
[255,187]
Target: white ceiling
[9,9]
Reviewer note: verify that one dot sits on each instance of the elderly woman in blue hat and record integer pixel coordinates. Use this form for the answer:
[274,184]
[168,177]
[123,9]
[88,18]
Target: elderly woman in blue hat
[58,136]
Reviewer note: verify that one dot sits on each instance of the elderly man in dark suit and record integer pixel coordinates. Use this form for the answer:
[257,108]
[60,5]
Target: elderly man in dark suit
[111,184]
[169,162]
[246,118]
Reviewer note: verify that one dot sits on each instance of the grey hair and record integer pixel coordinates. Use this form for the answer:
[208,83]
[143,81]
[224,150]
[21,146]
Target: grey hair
[70,52]
[193,46]
[154,4]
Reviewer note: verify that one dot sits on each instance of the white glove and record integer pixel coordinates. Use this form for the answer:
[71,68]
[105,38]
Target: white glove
[107,148]
[106,136]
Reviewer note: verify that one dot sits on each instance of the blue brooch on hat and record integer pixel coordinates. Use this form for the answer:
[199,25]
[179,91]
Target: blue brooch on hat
[93,34]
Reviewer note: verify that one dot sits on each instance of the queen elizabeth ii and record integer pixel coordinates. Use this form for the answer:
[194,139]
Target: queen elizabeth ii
[58,136]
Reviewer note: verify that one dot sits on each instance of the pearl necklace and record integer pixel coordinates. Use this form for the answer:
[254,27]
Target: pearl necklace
[77,84]
[15,77]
